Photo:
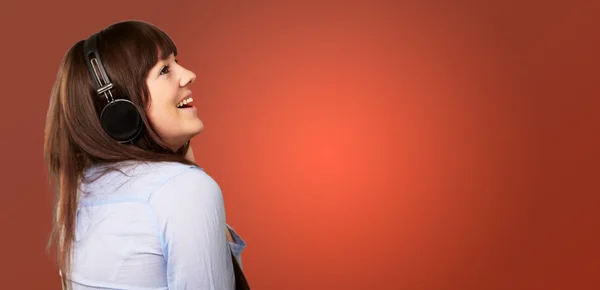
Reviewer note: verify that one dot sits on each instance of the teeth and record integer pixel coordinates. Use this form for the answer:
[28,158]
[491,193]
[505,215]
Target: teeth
[185,102]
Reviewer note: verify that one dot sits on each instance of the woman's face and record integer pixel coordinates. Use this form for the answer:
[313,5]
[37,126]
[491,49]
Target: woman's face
[171,110]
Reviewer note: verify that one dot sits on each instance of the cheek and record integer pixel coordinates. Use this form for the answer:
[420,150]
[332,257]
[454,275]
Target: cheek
[161,115]
[164,118]
[158,110]
[162,112]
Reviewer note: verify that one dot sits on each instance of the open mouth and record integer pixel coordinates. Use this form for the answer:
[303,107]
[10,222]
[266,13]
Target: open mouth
[187,103]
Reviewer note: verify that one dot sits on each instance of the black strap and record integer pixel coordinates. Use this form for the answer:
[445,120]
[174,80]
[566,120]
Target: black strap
[240,280]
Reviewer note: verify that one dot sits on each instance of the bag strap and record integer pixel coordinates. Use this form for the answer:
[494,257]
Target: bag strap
[240,279]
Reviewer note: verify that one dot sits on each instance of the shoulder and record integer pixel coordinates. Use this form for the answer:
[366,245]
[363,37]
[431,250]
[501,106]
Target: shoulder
[182,178]
[142,180]
[184,187]
[187,206]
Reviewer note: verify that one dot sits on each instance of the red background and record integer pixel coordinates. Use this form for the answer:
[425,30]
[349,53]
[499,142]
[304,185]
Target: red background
[359,145]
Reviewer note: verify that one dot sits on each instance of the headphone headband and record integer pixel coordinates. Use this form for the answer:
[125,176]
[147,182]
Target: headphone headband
[94,64]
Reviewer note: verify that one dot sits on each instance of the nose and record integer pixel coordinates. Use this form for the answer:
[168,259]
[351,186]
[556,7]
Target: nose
[187,78]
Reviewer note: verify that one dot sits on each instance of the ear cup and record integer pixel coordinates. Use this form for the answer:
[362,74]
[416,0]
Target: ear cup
[121,120]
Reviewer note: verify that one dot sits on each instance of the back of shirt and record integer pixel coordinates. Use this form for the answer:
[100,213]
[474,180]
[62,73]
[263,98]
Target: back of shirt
[153,226]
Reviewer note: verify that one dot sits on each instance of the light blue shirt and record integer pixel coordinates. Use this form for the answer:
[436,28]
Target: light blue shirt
[153,226]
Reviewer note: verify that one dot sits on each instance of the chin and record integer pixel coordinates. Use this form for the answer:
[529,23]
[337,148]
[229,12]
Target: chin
[194,129]
[199,126]
[184,133]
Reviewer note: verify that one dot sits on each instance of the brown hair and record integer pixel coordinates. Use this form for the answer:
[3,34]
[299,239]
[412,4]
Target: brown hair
[74,138]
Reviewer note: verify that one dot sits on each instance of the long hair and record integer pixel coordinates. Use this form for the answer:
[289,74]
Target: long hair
[74,138]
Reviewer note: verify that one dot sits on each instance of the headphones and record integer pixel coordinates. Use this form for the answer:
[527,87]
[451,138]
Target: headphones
[120,118]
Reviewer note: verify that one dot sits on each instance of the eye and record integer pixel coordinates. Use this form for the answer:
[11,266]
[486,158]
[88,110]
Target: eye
[164,70]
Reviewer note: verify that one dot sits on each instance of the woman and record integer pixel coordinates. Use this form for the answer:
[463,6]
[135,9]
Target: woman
[133,209]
